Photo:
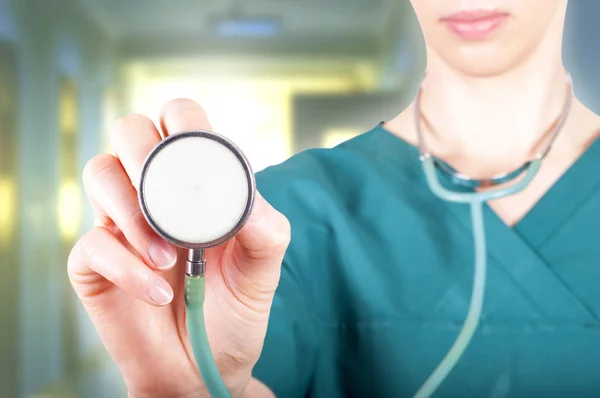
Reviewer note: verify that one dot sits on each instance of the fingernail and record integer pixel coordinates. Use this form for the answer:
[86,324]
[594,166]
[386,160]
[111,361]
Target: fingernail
[159,292]
[162,254]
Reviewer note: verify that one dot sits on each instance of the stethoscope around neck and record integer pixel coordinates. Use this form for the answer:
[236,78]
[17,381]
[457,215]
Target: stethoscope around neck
[495,187]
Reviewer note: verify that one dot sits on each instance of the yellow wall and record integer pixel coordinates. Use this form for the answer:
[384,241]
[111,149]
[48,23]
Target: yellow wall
[252,109]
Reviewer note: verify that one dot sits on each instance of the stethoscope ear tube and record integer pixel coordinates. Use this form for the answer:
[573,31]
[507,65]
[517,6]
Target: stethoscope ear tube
[430,171]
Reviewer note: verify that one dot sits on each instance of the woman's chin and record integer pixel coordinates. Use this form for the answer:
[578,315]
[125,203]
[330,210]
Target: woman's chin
[483,63]
[482,69]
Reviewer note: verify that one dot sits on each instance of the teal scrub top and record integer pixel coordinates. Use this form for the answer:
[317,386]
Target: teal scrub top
[377,281]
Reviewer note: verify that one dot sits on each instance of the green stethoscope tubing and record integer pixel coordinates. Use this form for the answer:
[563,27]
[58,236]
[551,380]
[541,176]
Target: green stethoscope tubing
[476,201]
[194,303]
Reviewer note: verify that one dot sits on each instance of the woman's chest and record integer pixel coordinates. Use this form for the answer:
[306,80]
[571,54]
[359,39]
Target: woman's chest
[395,321]
[394,359]
[417,263]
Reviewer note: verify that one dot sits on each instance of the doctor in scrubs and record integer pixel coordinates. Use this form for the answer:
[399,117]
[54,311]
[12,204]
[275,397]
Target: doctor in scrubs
[352,278]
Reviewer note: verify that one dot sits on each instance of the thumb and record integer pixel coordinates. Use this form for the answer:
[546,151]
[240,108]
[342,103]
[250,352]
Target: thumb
[261,244]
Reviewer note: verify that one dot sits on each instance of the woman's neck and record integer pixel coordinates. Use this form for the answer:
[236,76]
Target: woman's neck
[494,122]
[492,116]
[495,115]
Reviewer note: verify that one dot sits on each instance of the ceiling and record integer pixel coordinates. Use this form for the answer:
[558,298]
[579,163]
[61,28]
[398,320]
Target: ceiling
[175,27]
[147,18]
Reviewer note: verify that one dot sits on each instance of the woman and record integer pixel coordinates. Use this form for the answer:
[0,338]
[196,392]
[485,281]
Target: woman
[376,281]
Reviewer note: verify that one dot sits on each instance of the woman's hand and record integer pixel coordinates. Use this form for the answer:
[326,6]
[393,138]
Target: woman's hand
[131,281]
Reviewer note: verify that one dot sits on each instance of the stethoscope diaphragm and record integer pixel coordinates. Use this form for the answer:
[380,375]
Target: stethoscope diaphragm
[196,189]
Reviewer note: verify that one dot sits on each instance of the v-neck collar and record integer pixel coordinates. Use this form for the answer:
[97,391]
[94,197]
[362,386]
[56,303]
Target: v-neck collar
[563,199]
[554,208]
[515,250]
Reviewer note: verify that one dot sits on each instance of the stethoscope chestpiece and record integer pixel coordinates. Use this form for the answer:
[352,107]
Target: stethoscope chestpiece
[196,191]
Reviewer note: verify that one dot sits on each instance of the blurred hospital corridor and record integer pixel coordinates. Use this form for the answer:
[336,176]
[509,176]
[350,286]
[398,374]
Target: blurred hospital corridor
[275,76]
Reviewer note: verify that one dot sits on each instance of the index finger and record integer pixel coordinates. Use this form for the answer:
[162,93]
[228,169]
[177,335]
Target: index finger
[133,137]
[183,115]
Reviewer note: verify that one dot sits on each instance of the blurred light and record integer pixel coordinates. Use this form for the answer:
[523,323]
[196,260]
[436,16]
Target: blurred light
[260,125]
[109,117]
[261,102]
[7,210]
[334,137]
[246,27]
[68,111]
[69,210]
[5,99]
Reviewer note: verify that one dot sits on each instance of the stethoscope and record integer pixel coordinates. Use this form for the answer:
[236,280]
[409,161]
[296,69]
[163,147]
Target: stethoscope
[496,188]
[197,190]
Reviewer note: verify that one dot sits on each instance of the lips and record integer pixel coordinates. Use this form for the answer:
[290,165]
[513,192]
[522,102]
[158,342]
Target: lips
[475,25]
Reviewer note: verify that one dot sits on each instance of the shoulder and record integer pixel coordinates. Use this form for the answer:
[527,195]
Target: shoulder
[341,203]
[305,184]
[314,190]
[317,184]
